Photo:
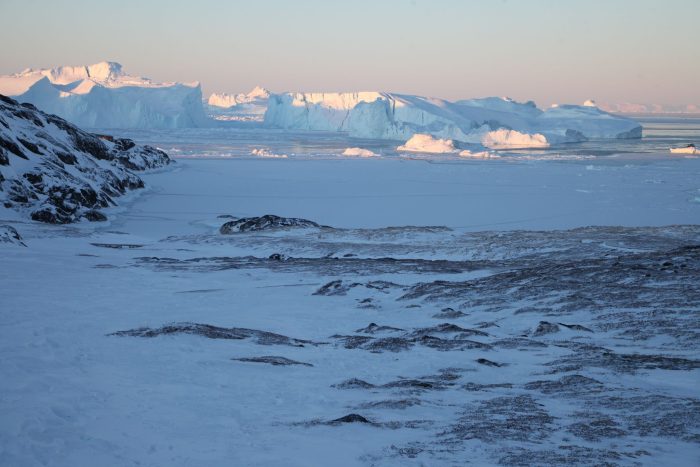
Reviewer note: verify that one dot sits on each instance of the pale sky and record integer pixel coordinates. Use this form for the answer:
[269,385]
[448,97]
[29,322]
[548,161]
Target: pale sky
[546,50]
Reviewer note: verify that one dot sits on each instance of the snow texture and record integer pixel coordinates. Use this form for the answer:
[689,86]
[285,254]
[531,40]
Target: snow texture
[104,96]
[61,174]
[393,311]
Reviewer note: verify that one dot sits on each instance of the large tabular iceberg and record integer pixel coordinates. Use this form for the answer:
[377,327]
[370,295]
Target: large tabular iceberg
[398,116]
[102,95]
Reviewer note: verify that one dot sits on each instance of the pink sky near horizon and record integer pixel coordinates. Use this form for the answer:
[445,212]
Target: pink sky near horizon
[543,50]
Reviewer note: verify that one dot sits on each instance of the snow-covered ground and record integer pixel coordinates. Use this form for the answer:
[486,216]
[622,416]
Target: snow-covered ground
[499,337]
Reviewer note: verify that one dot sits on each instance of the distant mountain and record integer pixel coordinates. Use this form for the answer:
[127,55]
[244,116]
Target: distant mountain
[103,95]
[57,173]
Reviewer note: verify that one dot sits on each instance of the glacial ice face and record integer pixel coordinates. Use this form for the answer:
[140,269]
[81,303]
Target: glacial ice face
[398,116]
[102,95]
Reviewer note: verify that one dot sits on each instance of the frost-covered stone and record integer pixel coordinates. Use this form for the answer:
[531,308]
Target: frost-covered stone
[59,173]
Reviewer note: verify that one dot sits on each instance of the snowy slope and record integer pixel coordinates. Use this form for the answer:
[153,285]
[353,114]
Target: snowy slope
[60,173]
[102,95]
[398,116]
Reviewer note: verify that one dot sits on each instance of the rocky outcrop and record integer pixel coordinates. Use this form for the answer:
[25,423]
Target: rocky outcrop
[266,222]
[59,173]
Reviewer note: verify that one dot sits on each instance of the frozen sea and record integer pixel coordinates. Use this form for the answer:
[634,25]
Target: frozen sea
[542,308]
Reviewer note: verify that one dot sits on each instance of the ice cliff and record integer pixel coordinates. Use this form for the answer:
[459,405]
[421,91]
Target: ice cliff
[399,116]
[104,96]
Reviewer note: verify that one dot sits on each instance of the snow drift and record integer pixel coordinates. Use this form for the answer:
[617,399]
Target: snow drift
[58,173]
[399,116]
[102,95]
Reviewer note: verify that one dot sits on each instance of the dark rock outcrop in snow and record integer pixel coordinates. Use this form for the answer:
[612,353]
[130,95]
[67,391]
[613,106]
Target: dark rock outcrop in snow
[60,173]
[9,235]
[266,222]
[215,332]
[272,360]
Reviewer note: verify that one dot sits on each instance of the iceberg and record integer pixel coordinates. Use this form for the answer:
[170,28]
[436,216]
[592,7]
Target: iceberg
[382,115]
[689,149]
[239,107]
[358,152]
[428,144]
[104,96]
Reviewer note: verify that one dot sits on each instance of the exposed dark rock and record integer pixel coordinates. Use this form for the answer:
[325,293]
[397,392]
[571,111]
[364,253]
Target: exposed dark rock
[9,235]
[486,362]
[569,385]
[448,328]
[392,404]
[272,360]
[449,313]
[588,357]
[263,223]
[374,328]
[354,383]
[93,215]
[484,387]
[215,332]
[596,427]
[44,186]
[514,418]
[545,327]
[340,287]
[576,327]
[350,418]
[118,246]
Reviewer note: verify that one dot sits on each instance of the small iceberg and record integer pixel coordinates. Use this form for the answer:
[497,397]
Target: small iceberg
[358,152]
[689,149]
[426,143]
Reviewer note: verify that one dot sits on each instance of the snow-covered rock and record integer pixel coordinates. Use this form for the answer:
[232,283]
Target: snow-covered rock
[504,139]
[104,96]
[358,152]
[58,173]
[399,116]
[263,223]
[427,143]
[10,236]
